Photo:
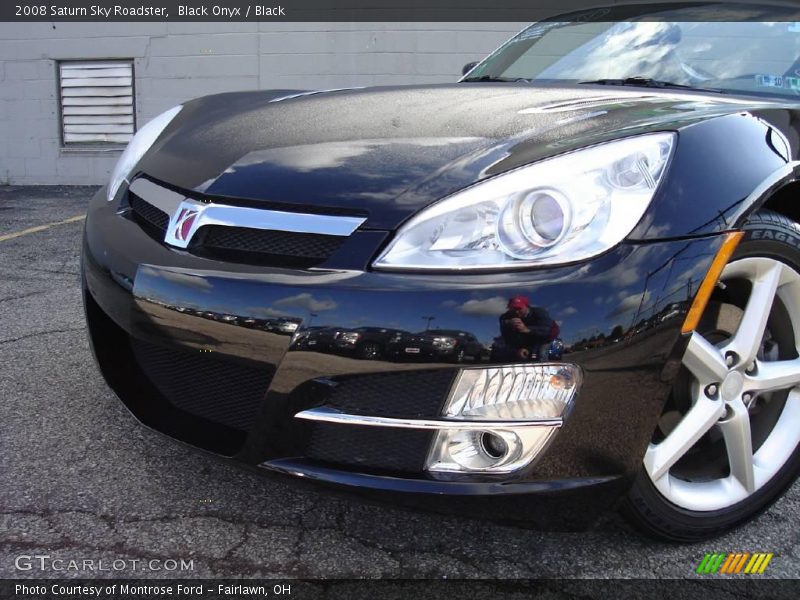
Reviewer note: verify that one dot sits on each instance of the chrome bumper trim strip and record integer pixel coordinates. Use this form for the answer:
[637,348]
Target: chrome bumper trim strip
[330,415]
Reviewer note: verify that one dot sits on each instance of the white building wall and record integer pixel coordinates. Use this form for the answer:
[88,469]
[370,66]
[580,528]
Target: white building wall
[174,62]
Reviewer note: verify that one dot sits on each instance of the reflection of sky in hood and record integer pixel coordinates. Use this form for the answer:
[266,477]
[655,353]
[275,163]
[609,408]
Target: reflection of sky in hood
[353,172]
[332,155]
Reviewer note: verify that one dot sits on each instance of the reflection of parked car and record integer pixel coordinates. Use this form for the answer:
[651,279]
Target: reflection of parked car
[283,326]
[672,310]
[300,341]
[368,343]
[437,345]
[320,339]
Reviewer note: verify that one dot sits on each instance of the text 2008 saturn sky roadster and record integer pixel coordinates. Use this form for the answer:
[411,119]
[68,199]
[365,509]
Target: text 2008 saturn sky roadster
[568,282]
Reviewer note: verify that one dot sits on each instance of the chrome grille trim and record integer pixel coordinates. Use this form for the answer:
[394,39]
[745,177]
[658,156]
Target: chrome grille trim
[203,214]
[187,216]
[162,198]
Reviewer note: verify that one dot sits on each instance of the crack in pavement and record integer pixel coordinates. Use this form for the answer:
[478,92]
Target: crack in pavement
[40,333]
[298,563]
[22,296]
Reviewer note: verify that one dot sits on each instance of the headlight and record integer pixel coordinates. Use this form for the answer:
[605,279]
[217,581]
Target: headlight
[560,210]
[137,147]
[349,337]
[444,342]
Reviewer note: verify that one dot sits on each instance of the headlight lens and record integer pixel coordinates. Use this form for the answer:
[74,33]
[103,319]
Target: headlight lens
[349,337]
[567,208]
[137,147]
[444,342]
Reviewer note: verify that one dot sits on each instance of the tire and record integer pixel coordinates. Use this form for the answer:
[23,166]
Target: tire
[459,356]
[369,351]
[721,455]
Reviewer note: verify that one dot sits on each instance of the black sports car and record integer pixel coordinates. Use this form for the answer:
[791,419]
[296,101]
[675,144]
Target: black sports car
[632,172]
[369,343]
[284,326]
[310,338]
[438,345]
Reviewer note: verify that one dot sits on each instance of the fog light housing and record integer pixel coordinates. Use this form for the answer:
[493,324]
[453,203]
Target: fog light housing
[522,407]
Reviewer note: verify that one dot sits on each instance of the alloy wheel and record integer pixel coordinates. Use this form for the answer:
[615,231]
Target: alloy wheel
[370,351]
[744,398]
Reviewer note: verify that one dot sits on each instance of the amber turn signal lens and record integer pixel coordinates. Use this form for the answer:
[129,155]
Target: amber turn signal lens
[704,293]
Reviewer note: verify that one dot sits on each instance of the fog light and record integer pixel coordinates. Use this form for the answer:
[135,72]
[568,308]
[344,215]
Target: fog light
[494,445]
[522,407]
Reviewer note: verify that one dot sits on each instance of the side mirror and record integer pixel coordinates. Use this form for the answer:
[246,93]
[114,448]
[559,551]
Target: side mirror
[468,67]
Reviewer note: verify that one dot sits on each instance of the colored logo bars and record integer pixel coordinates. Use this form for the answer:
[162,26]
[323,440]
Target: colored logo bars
[734,563]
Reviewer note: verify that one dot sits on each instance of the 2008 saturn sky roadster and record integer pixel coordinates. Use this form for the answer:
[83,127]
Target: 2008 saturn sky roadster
[567,282]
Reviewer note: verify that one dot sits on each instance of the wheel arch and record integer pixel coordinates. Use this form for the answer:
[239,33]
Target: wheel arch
[783,198]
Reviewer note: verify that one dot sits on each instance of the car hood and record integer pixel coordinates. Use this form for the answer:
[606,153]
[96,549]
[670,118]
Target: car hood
[387,152]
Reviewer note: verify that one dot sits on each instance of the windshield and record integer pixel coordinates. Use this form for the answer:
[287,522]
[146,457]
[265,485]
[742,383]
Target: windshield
[736,57]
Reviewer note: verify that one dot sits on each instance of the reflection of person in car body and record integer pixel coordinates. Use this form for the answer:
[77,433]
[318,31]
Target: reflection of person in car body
[526,328]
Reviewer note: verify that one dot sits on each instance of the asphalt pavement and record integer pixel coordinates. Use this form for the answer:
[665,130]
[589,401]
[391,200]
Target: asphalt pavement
[81,479]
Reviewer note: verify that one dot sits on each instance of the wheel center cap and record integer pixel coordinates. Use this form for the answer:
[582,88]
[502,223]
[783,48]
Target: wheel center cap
[732,386]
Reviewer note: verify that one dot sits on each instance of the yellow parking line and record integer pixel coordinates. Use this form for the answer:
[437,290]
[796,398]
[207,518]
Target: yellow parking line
[16,234]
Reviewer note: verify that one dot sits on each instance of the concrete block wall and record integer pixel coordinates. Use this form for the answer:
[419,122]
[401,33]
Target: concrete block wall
[174,62]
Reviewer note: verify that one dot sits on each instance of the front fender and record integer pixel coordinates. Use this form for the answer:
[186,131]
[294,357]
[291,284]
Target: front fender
[723,170]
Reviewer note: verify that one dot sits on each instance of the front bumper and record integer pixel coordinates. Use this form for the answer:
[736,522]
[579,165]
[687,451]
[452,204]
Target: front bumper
[234,390]
[415,352]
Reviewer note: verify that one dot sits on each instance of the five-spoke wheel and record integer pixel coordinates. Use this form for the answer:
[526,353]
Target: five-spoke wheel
[727,442]
[728,380]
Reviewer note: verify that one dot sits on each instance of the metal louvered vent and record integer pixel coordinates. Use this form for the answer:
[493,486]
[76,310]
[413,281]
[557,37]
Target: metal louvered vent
[96,102]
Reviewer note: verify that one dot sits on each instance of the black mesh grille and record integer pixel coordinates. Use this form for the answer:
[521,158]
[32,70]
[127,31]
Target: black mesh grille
[403,394]
[220,390]
[371,448]
[147,215]
[284,247]
[400,394]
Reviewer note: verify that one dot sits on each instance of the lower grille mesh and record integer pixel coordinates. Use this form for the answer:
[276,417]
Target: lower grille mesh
[378,448]
[400,394]
[403,394]
[220,390]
